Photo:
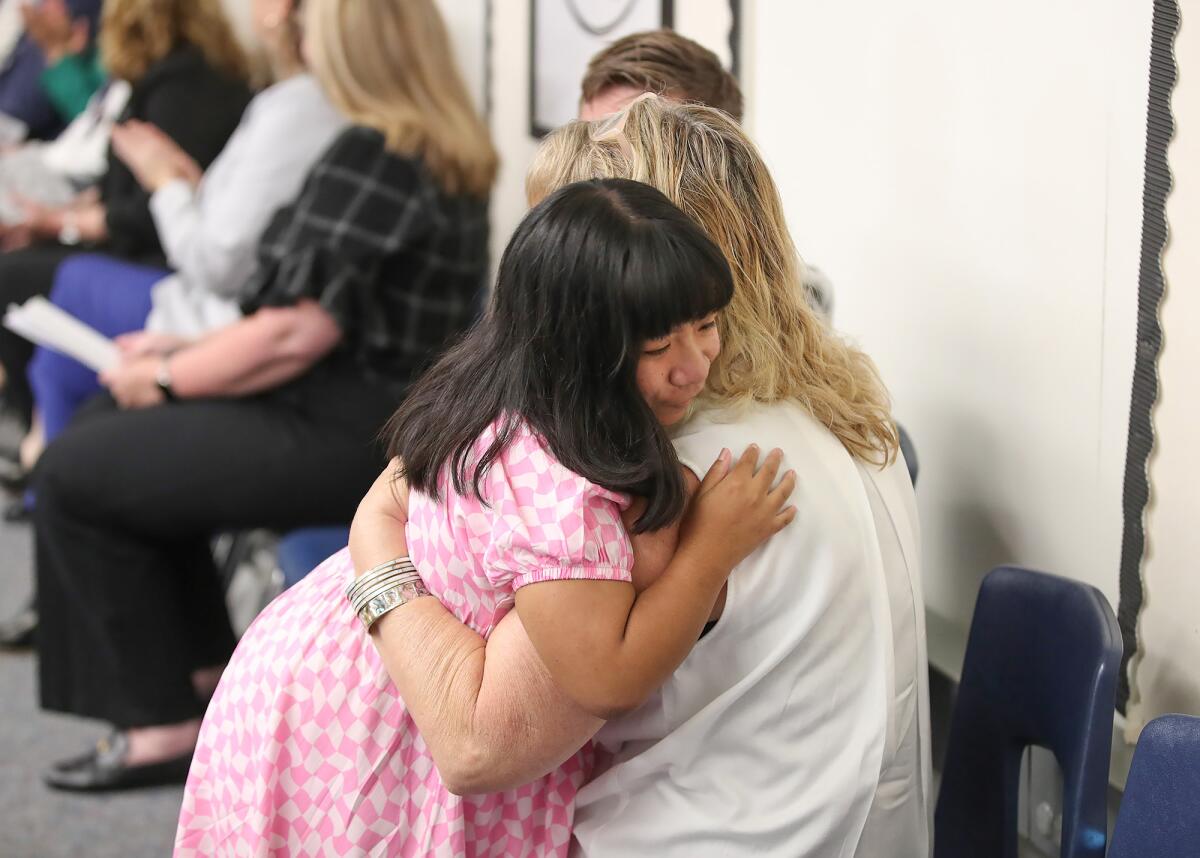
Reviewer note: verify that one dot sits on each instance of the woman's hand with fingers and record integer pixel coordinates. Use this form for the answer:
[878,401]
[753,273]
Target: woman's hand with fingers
[153,157]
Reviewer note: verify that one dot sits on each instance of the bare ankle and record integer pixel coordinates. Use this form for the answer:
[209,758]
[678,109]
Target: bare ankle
[163,742]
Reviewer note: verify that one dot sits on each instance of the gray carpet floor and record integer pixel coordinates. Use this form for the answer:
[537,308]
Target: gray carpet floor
[36,822]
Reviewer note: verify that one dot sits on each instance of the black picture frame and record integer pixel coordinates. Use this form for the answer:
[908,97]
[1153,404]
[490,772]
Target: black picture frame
[540,129]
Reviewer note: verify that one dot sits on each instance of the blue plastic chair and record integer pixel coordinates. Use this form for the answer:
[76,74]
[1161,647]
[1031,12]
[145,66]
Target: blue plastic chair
[300,551]
[1160,812]
[1040,669]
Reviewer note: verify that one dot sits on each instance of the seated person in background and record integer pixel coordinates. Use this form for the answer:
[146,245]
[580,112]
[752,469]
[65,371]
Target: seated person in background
[52,174]
[799,725]
[209,228]
[187,74]
[269,421]
[23,97]
[73,70]
[673,66]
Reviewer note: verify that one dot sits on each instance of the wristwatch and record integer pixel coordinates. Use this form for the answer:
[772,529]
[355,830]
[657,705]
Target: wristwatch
[162,377]
[68,233]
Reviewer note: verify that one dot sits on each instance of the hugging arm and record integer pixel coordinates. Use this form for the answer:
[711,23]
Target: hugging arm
[494,721]
[610,646]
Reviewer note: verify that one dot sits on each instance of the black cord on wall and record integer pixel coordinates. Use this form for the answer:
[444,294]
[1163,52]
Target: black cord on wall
[1160,127]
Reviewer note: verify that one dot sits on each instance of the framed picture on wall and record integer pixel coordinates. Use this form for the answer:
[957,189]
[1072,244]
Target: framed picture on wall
[564,34]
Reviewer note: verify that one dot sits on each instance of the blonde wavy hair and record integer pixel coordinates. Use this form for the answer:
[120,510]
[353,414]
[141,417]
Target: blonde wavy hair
[388,65]
[135,34]
[774,345]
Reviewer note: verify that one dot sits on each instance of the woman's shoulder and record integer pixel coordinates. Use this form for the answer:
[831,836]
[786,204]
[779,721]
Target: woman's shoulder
[299,99]
[182,61]
[807,444]
[731,421]
[361,151]
[186,67]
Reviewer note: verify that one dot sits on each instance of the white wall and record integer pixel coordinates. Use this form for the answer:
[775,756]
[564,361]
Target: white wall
[1167,676]
[510,117]
[969,176]
[466,22]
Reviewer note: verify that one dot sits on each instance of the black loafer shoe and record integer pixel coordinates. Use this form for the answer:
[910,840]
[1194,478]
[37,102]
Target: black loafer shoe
[17,632]
[13,477]
[17,511]
[103,769]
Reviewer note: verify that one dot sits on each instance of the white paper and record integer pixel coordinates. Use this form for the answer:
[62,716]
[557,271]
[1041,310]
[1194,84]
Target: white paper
[39,321]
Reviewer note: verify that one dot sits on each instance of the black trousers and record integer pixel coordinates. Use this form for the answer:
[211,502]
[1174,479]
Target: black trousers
[128,596]
[23,274]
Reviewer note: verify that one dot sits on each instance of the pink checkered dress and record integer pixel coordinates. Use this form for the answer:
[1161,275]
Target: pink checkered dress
[308,750]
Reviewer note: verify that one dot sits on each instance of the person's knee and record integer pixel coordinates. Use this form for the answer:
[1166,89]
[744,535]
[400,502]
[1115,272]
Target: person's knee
[71,473]
[54,375]
[59,476]
[75,276]
[44,369]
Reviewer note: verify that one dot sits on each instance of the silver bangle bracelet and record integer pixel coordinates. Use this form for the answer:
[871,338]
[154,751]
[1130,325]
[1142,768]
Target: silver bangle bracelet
[375,592]
[372,576]
[384,588]
[389,600]
[376,580]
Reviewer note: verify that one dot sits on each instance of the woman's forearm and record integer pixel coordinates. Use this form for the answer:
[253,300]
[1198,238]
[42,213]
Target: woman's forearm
[257,353]
[493,719]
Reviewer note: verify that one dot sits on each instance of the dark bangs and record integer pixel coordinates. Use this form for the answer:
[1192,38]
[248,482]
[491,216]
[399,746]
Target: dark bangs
[672,277]
[591,273]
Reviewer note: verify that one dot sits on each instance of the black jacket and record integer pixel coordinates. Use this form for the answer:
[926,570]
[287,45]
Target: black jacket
[196,106]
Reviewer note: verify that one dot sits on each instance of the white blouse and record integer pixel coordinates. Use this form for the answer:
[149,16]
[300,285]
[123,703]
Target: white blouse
[210,232]
[799,725]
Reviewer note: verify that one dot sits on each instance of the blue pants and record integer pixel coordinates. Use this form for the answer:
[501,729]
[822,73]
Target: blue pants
[111,296]
[301,550]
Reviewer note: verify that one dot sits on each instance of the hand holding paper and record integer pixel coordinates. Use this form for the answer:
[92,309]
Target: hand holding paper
[40,322]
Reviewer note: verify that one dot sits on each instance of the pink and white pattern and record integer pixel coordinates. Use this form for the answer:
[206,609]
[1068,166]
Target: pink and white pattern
[307,749]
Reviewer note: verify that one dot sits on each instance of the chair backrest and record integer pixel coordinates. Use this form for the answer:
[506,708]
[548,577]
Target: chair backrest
[910,454]
[1160,811]
[1040,669]
[300,551]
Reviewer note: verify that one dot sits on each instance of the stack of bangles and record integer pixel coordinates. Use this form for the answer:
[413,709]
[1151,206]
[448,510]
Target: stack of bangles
[385,588]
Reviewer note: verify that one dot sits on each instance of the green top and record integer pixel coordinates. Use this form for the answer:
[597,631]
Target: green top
[72,81]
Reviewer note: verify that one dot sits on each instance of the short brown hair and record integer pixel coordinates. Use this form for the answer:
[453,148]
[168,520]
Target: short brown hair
[664,62]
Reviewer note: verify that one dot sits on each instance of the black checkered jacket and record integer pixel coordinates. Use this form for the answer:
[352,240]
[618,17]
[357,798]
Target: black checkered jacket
[397,262]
